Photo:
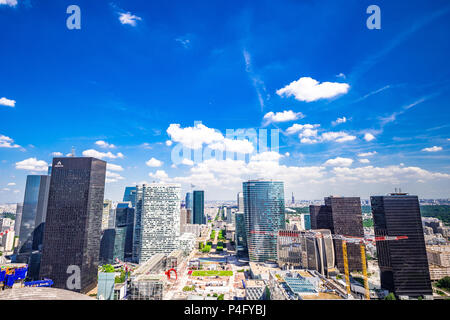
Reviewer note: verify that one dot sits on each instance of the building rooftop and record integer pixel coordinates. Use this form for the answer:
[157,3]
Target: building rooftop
[41,293]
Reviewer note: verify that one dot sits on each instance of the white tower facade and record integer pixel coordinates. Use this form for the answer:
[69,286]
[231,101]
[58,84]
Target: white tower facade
[158,206]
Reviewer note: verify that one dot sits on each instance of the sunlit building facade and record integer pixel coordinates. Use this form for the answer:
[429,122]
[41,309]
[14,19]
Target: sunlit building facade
[264,217]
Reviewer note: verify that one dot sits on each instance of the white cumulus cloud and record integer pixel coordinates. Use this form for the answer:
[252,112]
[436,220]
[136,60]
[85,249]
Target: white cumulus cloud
[339,121]
[57,154]
[32,164]
[159,174]
[112,176]
[364,160]
[369,137]
[432,149]
[309,90]
[7,142]
[128,18]
[299,127]
[187,162]
[153,162]
[339,162]
[199,135]
[11,3]
[113,167]
[287,115]
[7,102]
[100,155]
[104,144]
[367,154]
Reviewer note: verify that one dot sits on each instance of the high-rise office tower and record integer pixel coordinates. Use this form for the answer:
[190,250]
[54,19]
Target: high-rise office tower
[130,196]
[264,216]
[17,222]
[342,216]
[347,220]
[199,207]
[184,218]
[125,219]
[106,213]
[403,263]
[137,224]
[33,222]
[241,235]
[240,202]
[112,245]
[73,224]
[158,206]
[190,206]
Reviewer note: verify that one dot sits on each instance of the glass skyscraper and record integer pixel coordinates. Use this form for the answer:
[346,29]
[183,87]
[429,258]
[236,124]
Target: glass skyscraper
[125,218]
[189,206]
[241,235]
[130,196]
[158,208]
[264,216]
[403,263]
[33,213]
[73,223]
[199,207]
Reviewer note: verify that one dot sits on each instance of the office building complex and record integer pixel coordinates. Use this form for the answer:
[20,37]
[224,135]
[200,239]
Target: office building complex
[199,207]
[125,219]
[73,223]
[158,208]
[342,216]
[33,213]
[189,204]
[106,213]
[240,202]
[18,221]
[264,217]
[403,263]
[185,218]
[112,245]
[289,249]
[130,196]
[240,234]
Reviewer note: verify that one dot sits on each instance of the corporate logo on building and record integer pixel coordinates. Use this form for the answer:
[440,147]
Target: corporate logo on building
[59,165]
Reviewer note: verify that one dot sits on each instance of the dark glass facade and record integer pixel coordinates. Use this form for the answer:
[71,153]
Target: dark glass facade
[199,207]
[264,217]
[130,196]
[33,213]
[347,220]
[241,235]
[73,224]
[403,263]
[112,245]
[125,218]
[342,216]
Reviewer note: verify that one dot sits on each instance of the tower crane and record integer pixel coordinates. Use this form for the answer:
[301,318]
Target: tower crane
[345,239]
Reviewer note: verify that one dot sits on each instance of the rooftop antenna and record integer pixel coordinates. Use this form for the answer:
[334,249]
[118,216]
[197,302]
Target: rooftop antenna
[73,152]
[395,190]
[399,190]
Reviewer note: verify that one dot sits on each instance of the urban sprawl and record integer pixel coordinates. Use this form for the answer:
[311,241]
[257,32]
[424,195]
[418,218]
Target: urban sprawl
[65,241]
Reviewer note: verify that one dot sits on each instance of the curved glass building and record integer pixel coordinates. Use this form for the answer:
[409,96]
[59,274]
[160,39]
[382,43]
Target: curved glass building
[264,216]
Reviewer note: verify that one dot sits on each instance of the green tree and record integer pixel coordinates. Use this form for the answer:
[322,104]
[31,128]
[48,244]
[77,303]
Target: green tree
[107,268]
[390,296]
[220,297]
[444,283]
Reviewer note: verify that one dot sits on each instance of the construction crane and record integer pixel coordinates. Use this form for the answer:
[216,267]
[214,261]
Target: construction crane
[345,239]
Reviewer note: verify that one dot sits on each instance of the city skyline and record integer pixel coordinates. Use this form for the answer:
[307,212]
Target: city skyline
[131,98]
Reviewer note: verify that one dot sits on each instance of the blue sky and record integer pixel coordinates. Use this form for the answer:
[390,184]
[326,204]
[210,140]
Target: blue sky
[140,73]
